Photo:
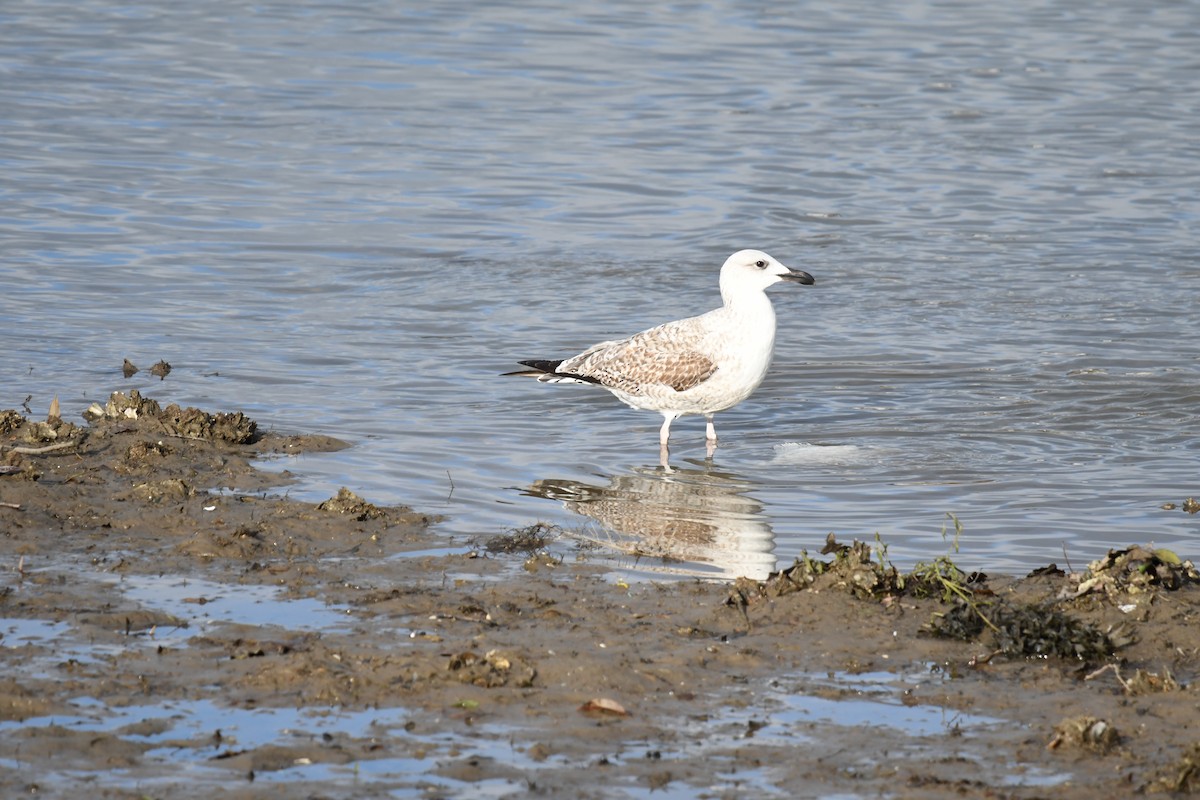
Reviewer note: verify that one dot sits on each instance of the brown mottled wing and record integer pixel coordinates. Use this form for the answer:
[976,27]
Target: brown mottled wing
[663,356]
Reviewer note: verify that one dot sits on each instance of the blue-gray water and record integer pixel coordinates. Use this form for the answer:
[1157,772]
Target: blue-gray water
[350,218]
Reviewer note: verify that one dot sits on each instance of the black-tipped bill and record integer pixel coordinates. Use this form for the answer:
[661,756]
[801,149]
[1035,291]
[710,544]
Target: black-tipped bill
[799,276]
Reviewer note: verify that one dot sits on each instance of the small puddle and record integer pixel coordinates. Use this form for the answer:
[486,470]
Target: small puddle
[19,632]
[193,736]
[203,603]
[886,700]
[46,644]
[432,552]
[832,710]
[870,699]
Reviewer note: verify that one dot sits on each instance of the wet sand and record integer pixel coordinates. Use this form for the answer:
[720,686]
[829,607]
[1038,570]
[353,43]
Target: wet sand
[411,667]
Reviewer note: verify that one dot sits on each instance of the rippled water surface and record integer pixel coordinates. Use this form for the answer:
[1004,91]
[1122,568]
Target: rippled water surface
[350,218]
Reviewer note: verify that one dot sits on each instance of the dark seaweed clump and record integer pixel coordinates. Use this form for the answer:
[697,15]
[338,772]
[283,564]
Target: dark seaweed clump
[1026,630]
[972,612]
[530,539]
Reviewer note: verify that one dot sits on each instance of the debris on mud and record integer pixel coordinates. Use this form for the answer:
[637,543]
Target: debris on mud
[865,571]
[1085,732]
[143,452]
[10,420]
[1025,630]
[192,423]
[1182,776]
[530,539]
[348,503]
[1132,570]
[123,406]
[604,705]
[852,569]
[31,437]
[1143,681]
[492,670]
[168,490]
[54,429]
[1007,627]
[186,423]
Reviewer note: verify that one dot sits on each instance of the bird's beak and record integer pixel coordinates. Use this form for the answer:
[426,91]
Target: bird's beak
[798,276]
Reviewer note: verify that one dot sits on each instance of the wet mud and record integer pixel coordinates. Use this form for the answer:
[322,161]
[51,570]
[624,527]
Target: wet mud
[172,624]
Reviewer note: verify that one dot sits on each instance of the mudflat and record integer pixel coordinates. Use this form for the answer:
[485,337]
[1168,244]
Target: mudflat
[173,625]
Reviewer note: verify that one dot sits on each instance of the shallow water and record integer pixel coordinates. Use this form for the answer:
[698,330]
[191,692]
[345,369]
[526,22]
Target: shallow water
[350,220]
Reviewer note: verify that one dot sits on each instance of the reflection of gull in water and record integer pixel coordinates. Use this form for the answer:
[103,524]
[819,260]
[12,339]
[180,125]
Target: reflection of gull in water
[700,517]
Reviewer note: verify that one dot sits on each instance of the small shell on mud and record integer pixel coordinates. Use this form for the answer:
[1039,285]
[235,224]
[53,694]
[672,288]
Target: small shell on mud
[604,705]
[1089,733]
[497,661]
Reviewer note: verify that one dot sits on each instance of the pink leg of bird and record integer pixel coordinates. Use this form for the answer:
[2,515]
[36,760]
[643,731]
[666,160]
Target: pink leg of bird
[710,437]
[664,433]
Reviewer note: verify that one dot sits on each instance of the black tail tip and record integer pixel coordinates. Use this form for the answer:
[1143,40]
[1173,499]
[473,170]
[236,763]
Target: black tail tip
[542,366]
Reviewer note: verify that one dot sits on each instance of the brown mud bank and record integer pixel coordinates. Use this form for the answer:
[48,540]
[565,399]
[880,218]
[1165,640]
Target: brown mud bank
[172,625]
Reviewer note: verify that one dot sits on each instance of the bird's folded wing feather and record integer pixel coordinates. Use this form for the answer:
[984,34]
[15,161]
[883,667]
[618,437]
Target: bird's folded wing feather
[664,356]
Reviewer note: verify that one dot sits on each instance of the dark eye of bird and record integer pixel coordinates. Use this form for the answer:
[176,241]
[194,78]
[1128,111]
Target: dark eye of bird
[760,264]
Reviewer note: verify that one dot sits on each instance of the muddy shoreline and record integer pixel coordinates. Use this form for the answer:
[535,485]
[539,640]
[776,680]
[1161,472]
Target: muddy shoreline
[386,663]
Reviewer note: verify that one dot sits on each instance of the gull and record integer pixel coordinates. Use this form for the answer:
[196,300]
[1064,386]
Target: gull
[698,365]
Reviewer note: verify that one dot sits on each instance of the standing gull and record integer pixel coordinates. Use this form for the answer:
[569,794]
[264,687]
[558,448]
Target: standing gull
[698,365]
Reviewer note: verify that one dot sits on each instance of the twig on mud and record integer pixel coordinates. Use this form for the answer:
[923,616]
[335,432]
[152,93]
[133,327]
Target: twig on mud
[977,661]
[50,448]
[1115,671]
[17,506]
[1067,559]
